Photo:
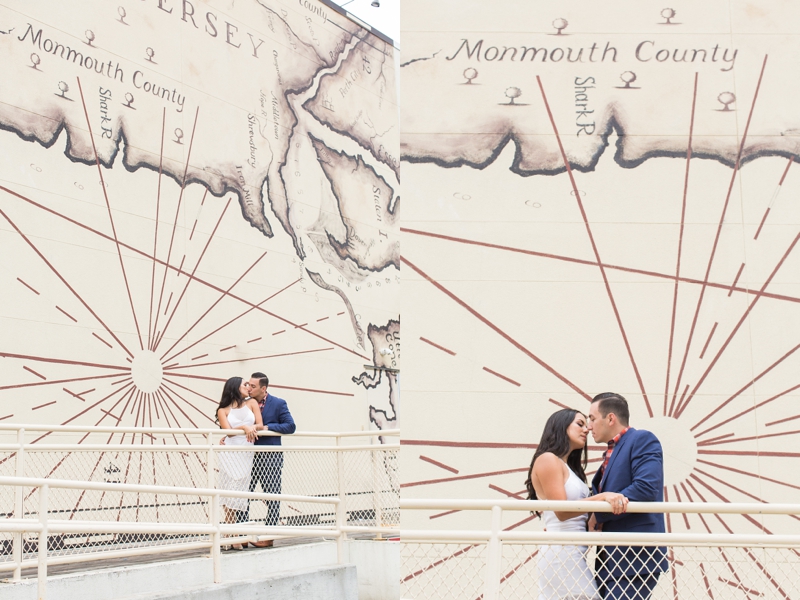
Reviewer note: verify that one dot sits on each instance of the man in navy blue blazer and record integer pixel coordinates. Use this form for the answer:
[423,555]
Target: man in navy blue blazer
[633,465]
[268,466]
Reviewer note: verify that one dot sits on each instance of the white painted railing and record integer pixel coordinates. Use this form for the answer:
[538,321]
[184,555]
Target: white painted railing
[208,534]
[157,492]
[505,562]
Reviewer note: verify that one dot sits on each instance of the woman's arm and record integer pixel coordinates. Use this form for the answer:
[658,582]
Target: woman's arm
[253,404]
[249,430]
[548,472]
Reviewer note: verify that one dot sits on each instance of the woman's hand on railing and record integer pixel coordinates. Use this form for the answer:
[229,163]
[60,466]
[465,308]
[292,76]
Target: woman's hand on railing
[618,502]
[250,432]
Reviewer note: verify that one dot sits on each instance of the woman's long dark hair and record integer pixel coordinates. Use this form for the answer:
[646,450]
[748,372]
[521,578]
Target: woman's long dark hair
[555,440]
[230,395]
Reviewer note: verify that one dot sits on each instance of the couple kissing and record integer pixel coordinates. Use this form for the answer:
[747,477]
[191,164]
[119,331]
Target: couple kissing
[632,470]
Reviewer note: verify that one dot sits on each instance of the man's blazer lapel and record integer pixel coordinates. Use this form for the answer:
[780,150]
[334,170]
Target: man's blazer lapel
[614,455]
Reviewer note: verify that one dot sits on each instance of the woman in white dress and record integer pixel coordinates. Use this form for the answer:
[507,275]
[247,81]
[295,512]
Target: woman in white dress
[558,473]
[237,411]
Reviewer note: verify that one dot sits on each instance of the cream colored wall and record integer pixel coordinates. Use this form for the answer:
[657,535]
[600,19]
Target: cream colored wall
[672,280]
[243,216]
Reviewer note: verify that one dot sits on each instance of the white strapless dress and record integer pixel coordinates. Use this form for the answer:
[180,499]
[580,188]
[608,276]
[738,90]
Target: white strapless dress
[563,571]
[235,467]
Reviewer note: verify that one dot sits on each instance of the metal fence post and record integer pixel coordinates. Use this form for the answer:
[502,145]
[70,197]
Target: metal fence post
[215,539]
[210,462]
[377,494]
[42,566]
[494,550]
[19,505]
[341,508]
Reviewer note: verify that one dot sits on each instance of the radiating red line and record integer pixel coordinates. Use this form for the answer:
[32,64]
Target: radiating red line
[272,385]
[494,327]
[198,357]
[763,220]
[54,381]
[708,341]
[102,340]
[757,524]
[110,216]
[253,340]
[252,308]
[496,374]
[771,423]
[685,517]
[175,222]
[442,348]
[750,453]
[752,408]
[438,464]
[57,274]
[195,392]
[591,263]
[169,301]
[594,249]
[194,270]
[786,171]
[62,361]
[718,232]
[671,550]
[443,514]
[191,235]
[680,245]
[517,495]
[29,287]
[43,405]
[462,477]
[39,375]
[739,323]
[201,317]
[66,313]
[322,319]
[716,438]
[155,234]
[166,393]
[99,402]
[74,395]
[705,580]
[672,404]
[736,280]
[462,551]
[281,331]
[557,403]
[169,266]
[228,348]
[445,444]
[238,360]
[753,437]
[6,417]
[739,586]
[740,490]
[508,575]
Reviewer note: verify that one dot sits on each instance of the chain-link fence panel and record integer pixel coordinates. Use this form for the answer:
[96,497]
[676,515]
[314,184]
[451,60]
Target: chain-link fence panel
[442,571]
[451,571]
[372,485]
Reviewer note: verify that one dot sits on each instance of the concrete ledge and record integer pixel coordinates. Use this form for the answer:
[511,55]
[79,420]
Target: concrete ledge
[326,583]
[375,567]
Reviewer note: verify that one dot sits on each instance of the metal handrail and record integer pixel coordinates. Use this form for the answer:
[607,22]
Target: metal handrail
[494,538]
[194,431]
[44,526]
